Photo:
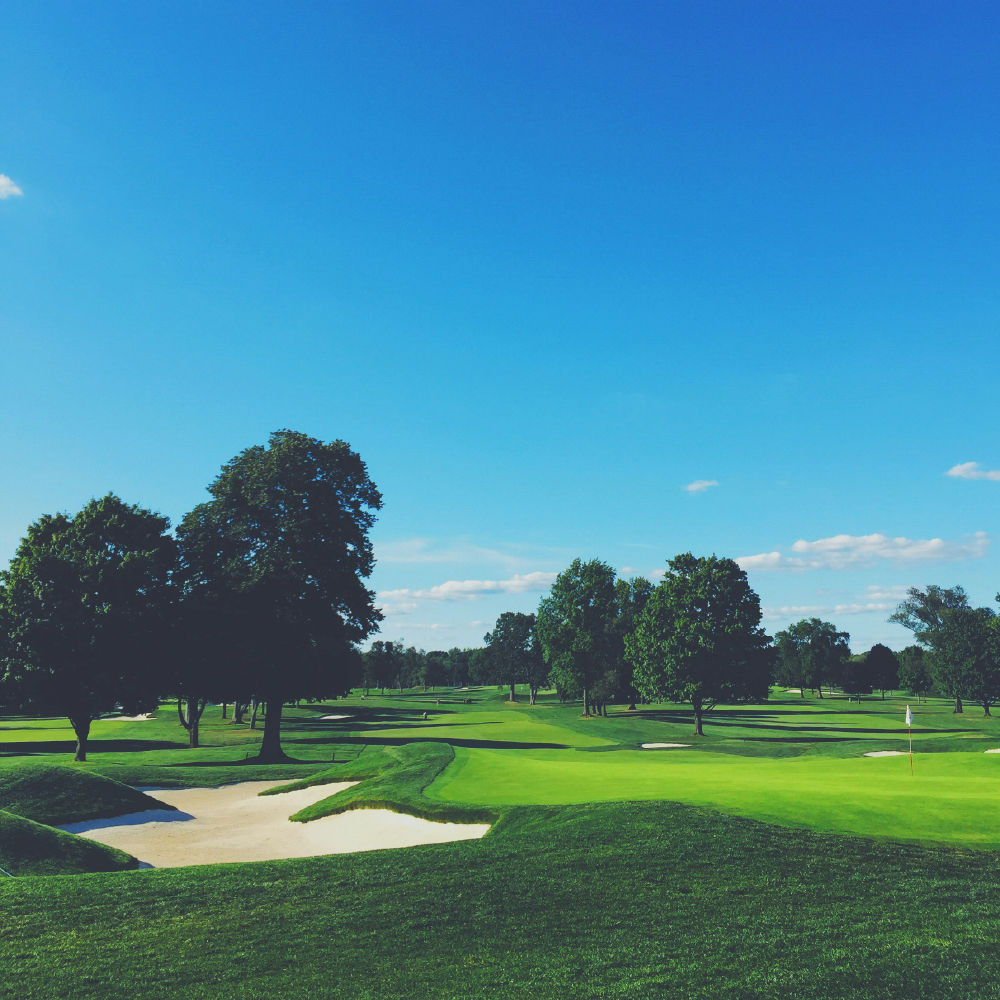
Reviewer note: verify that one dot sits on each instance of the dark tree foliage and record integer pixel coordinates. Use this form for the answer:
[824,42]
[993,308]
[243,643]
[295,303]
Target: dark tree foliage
[511,645]
[857,680]
[632,596]
[967,655]
[285,539]
[914,671]
[699,638]
[883,668]
[84,609]
[380,665]
[923,613]
[577,629]
[810,652]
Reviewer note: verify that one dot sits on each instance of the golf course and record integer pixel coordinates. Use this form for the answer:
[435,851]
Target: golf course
[769,857]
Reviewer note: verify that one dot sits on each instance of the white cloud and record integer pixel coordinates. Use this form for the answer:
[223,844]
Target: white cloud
[700,485]
[8,189]
[791,611]
[856,551]
[788,612]
[897,592]
[858,609]
[971,470]
[471,590]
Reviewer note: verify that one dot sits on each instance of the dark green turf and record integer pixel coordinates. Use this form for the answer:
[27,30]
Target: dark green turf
[29,848]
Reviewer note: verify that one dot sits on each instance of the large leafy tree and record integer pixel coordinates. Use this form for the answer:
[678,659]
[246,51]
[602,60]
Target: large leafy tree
[883,668]
[632,596]
[85,608]
[923,613]
[856,679]
[699,639]
[577,628]
[967,653]
[511,645]
[285,539]
[810,652]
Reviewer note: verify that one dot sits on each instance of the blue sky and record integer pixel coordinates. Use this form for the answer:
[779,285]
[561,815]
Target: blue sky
[544,265]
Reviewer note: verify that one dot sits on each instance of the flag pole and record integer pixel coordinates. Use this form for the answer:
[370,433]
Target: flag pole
[909,734]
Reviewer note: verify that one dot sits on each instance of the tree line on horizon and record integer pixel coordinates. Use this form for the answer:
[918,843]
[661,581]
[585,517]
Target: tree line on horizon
[259,596]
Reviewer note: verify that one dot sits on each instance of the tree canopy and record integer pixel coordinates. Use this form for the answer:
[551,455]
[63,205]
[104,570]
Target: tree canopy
[883,668]
[699,639]
[285,538]
[84,607]
[810,652]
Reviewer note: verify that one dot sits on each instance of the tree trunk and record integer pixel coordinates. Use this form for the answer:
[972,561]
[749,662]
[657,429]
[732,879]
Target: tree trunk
[513,693]
[270,746]
[82,729]
[986,708]
[239,710]
[697,721]
[224,707]
[604,709]
[958,706]
[532,690]
[883,694]
[802,692]
[253,714]
[586,702]
[819,690]
[631,707]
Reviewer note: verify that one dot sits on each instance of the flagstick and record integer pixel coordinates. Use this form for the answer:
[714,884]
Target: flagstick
[910,735]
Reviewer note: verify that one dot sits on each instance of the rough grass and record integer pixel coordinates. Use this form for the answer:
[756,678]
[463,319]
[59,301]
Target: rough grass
[58,795]
[29,848]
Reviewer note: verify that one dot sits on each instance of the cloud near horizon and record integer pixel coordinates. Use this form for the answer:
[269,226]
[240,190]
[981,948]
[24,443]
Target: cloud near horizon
[856,551]
[469,590]
[8,189]
[971,470]
[700,485]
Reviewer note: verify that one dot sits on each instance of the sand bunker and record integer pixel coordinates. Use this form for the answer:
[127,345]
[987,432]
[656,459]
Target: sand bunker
[235,823]
[997,750]
[663,746]
[126,718]
[886,753]
[330,718]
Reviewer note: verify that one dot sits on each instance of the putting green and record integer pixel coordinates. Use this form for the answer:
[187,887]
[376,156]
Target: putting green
[951,797]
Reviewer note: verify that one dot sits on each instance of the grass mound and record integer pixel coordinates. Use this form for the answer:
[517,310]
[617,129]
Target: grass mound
[57,795]
[29,848]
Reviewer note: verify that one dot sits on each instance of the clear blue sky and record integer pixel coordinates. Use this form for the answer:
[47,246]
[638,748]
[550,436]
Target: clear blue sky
[543,264]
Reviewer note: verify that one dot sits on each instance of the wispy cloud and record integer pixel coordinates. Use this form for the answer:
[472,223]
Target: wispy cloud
[8,189]
[857,551]
[971,470]
[896,593]
[470,590]
[700,485]
[788,612]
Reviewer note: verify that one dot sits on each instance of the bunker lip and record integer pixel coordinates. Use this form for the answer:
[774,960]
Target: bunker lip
[235,823]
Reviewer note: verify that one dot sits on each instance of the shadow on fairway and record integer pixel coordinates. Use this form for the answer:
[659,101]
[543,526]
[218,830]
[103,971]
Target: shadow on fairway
[402,741]
[37,747]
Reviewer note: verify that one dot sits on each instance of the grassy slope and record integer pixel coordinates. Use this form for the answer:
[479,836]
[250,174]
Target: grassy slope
[29,848]
[639,900]
[57,795]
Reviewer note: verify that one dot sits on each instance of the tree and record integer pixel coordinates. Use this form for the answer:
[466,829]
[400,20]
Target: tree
[576,625]
[379,665]
[923,614]
[810,652]
[84,605]
[856,679]
[699,639]
[285,537]
[434,669]
[481,665]
[457,667]
[967,654]
[632,596]
[914,671]
[510,644]
[883,668]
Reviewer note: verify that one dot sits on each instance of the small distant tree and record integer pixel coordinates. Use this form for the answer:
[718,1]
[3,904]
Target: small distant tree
[536,671]
[379,669]
[481,665]
[511,644]
[632,596]
[434,669]
[923,613]
[577,628]
[856,679]
[458,667]
[699,638]
[84,607]
[914,671]
[808,653]
[883,668]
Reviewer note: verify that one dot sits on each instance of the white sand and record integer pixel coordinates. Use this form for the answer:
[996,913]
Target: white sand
[235,823]
[663,746]
[886,753]
[793,690]
[330,718]
[126,718]
[992,751]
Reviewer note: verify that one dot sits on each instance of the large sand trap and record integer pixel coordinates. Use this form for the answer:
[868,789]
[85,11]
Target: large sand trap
[235,823]
[997,750]
[126,718]
[886,753]
[330,718]
[663,746]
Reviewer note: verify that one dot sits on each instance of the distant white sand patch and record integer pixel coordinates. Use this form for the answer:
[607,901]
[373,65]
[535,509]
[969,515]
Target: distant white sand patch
[235,823]
[331,718]
[793,690]
[663,746]
[886,753]
[997,750]
[145,717]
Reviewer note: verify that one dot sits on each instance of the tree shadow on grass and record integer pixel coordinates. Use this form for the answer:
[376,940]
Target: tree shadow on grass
[38,747]
[400,741]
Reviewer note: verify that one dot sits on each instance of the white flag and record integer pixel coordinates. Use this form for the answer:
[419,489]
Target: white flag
[909,716]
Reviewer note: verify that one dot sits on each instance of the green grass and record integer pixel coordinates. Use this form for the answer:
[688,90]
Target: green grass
[30,848]
[603,875]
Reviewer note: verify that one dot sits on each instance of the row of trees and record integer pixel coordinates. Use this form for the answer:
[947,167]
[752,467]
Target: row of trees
[259,595]
[390,664]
